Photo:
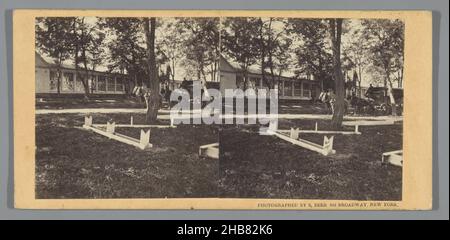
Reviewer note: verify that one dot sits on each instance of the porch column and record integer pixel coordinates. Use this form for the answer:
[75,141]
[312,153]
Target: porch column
[292,89]
[301,89]
[62,81]
[74,82]
[106,83]
[115,83]
[96,82]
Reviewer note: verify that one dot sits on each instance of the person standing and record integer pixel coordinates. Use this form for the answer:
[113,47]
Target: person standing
[331,99]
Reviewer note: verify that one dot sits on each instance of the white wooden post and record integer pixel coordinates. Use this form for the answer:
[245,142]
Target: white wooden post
[210,150]
[272,129]
[131,120]
[356,128]
[273,125]
[294,134]
[87,121]
[144,139]
[316,128]
[110,127]
[328,144]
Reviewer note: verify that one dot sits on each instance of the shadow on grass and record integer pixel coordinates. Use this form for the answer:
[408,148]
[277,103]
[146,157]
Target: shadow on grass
[272,168]
[75,163]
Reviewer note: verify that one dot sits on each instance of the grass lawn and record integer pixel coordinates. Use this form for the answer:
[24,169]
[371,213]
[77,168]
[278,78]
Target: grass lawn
[273,168]
[75,163]
[72,162]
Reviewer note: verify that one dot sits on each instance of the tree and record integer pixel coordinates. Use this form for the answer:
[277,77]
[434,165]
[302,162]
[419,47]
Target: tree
[274,50]
[357,51]
[240,38]
[88,45]
[54,38]
[152,97]
[385,39]
[201,46]
[171,38]
[281,55]
[339,105]
[262,47]
[313,52]
[126,47]
[70,38]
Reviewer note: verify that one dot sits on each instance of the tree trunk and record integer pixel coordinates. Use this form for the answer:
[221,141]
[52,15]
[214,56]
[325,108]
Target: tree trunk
[245,80]
[270,51]
[401,77]
[388,92]
[263,53]
[339,105]
[359,81]
[152,101]
[216,66]
[58,80]
[77,59]
[391,97]
[85,80]
[152,97]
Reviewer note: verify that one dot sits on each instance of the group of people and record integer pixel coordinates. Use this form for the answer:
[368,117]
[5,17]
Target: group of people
[140,91]
[329,98]
[165,93]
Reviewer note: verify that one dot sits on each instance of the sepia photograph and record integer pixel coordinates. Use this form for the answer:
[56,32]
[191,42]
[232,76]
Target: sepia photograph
[218,109]
[223,110]
[340,104]
[103,126]
[106,90]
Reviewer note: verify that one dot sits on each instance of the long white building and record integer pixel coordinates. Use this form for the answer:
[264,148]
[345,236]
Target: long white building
[231,75]
[289,87]
[46,78]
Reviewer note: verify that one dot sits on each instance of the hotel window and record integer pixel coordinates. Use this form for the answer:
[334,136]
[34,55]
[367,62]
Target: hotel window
[68,82]
[119,84]
[287,88]
[101,83]
[53,84]
[110,84]
[297,89]
[306,90]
